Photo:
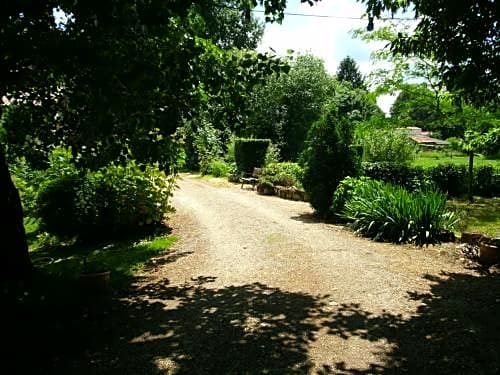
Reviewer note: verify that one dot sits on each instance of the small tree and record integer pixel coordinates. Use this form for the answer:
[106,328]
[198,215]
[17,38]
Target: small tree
[328,158]
[348,71]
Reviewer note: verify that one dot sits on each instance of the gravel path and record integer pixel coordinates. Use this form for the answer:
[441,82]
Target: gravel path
[257,285]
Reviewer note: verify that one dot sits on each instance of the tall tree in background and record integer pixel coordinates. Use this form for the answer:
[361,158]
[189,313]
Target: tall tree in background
[286,106]
[348,72]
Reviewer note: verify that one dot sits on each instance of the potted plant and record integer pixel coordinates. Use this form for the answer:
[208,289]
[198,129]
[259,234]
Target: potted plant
[95,276]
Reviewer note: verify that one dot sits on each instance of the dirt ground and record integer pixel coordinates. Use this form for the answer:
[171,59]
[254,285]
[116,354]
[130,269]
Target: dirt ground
[260,286]
[257,285]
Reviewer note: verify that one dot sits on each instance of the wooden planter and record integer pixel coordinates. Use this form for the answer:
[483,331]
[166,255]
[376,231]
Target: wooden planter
[489,254]
[96,282]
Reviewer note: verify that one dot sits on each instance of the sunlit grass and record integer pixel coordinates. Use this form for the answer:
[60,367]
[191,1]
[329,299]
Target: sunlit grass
[428,159]
[123,258]
[482,216]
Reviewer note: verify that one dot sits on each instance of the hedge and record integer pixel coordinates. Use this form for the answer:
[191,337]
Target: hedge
[250,153]
[449,178]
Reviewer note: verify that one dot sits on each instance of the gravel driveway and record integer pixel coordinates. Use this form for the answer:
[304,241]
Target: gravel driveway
[257,285]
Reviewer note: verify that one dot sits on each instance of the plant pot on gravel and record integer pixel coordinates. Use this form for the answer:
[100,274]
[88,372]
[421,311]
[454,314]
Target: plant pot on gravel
[95,277]
[489,253]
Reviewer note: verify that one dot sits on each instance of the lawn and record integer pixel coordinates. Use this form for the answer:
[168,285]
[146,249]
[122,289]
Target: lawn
[483,215]
[432,158]
[124,257]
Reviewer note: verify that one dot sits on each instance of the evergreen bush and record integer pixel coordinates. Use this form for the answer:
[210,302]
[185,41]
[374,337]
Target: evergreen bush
[328,158]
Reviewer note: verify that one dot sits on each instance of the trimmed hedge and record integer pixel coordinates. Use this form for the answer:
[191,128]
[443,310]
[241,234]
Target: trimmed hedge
[250,153]
[449,178]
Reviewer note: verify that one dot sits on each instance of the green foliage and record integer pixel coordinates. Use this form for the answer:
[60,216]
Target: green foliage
[388,145]
[449,178]
[416,106]
[344,192]
[283,174]
[57,206]
[411,178]
[250,153]
[111,201]
[219,168]
[284,107]
[388,213]
[28,181]
[328,158]
[487,181]
[223,24]
[348,72]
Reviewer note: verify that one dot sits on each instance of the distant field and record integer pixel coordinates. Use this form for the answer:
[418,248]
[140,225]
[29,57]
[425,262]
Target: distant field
[432,158]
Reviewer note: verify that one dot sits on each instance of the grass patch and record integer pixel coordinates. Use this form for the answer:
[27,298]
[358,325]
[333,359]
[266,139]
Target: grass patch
[483,215]
[429,159]
[123,259]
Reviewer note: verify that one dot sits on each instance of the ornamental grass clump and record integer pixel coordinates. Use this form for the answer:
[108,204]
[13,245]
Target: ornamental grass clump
[389,213]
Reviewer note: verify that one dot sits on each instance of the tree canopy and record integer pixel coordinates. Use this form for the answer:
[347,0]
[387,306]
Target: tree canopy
[461,35]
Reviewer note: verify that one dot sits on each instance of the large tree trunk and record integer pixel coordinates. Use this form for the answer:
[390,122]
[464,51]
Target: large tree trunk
[15,263]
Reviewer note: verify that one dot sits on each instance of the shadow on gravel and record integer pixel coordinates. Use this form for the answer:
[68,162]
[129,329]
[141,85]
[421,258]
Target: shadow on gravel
[253,329]
[308,218]
[456,330]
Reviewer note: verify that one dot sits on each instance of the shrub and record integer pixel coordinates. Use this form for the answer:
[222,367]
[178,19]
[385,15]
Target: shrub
[391,213]
[411,178]
[388,145]
[486,181]
[283,174]
[449,178]
[113,200]
[28,182]
[328,158]
[218,168]
[250,153]
[57,206]
[344,192]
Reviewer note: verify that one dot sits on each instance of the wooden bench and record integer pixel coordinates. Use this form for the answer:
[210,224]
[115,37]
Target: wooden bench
[251,178]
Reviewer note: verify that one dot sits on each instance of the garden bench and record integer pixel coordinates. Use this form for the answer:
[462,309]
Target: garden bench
[251,178]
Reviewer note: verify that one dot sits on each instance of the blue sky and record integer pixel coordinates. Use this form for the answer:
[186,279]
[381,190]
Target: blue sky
[327,38]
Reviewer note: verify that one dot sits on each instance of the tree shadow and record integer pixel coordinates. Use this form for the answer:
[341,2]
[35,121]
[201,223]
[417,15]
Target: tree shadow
[309,218]
[198,328]
[456,329]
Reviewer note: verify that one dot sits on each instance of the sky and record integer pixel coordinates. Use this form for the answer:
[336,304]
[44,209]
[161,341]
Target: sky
[327,38]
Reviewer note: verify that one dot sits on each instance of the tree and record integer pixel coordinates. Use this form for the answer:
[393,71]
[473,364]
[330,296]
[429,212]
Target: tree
[286,106]
[328,158]
[329,155]
[224,25]
[348,72]
[113,78]
[461,36]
